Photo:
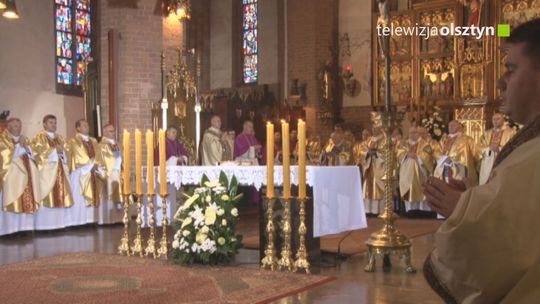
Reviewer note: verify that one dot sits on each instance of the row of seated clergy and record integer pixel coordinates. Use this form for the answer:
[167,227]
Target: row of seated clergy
[52,172]
[456,156]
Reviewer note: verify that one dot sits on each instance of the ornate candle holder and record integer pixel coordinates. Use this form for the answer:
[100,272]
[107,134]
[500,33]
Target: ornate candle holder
[123,248]
[270,259]
[286,260]
[163,246]
[302,254]
[389,240]
[136,248]
[151,243]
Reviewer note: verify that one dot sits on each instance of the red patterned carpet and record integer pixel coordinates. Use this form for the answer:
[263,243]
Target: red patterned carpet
[354,244]
[85,278]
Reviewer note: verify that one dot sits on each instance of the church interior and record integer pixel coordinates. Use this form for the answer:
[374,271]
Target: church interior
[305,96]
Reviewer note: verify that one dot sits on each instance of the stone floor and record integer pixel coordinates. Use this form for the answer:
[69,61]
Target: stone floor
[352,285]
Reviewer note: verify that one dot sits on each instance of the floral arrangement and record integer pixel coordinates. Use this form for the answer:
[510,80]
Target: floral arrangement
[206,223]
[434,123]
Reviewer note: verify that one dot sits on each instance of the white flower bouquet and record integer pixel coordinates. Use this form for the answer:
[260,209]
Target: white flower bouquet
[206,223]
[434,123]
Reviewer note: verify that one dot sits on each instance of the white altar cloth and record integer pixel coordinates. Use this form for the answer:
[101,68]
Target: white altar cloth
[337,191]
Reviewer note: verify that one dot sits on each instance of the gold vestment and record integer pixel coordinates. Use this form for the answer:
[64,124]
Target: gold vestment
[81,154]
[413,172]
[212,147]
[463,154]
[372,162]
[53,180]
[19,178]
[108,156]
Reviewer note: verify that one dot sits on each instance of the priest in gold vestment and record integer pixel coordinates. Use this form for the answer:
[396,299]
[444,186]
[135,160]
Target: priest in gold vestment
[337,152]
[488,250]
[361,148]
[491,143]
[50,155]
[214,143]
[19,176]
[109,156]
[459,156]
[415,157]
[85,171]
[372,162]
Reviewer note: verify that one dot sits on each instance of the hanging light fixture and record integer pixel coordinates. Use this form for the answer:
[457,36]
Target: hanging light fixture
[181,8]
[2,4]
[10,11]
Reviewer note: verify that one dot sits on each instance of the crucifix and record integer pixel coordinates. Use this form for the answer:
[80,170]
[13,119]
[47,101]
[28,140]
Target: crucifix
[182,129]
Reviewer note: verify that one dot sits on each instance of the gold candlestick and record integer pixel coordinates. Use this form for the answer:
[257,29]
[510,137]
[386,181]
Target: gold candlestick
[163,249]
[123,248]
[270,259]
[388,240]
[302,255]
[286,260]
[136,248]
[151,244]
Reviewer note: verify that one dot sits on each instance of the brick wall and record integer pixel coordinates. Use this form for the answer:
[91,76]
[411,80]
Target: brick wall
[311,33]
[143,34]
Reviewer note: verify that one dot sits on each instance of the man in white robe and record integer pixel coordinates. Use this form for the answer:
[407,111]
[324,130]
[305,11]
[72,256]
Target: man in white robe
[488,250]
[214,143]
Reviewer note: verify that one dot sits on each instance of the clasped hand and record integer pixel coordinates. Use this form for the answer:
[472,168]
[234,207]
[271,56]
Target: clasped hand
[443,197]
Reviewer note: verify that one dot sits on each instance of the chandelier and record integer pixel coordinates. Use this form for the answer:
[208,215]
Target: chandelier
[9,10]
[181,8]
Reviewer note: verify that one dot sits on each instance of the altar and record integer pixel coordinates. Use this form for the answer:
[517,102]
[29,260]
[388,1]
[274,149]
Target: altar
[338,204]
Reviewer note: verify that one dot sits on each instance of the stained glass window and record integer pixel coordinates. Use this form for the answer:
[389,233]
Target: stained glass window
[250,41]
[73,40]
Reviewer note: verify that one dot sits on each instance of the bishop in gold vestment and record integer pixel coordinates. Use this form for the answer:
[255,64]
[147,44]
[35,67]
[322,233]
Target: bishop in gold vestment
[85,171]
[491,143]
[49,148]
[415,157]
[19,177]
[459,156]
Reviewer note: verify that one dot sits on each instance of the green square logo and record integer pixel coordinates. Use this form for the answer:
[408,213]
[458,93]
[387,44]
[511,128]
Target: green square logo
[503,30]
